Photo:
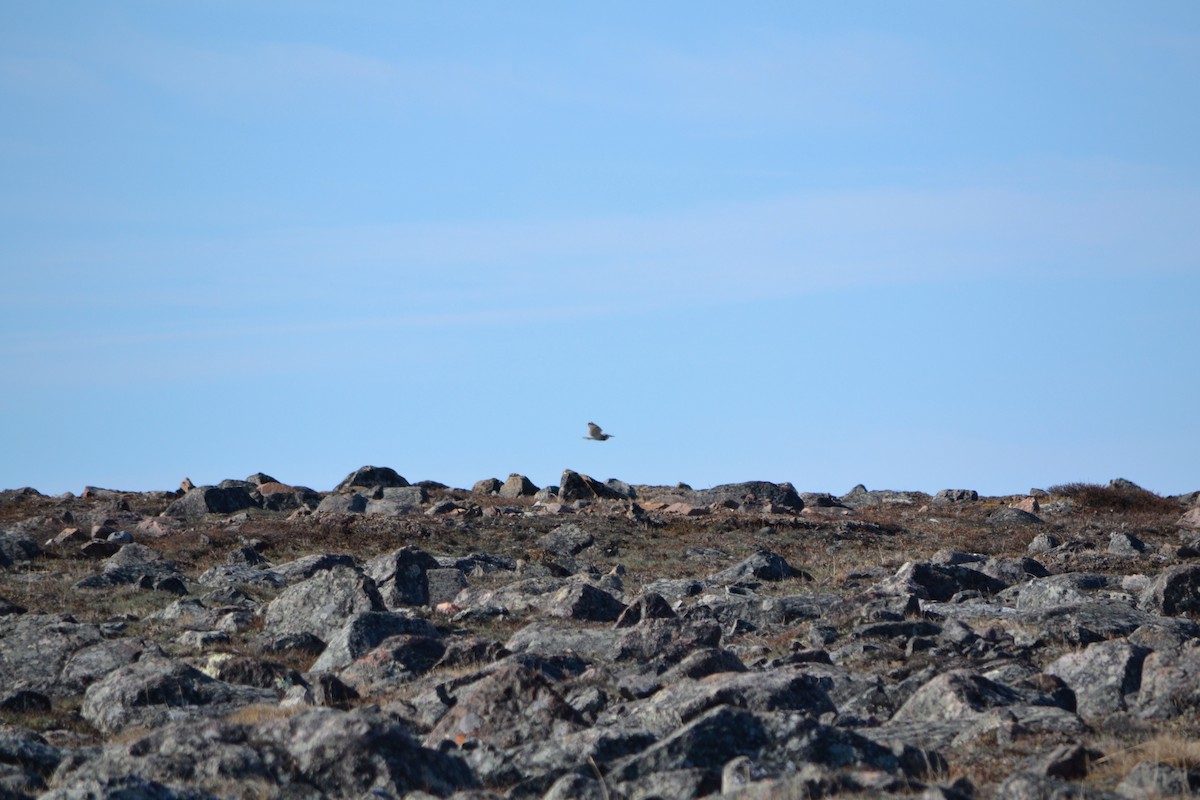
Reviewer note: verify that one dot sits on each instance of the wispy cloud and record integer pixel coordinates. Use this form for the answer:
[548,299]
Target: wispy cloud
[790,245]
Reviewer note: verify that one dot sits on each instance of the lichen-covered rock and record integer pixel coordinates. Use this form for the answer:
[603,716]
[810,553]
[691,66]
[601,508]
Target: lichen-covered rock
[320,752]
[155,690]
[364,631]
[1175,591]
[1101,676]
[211,500]
[320,605]
[402,576]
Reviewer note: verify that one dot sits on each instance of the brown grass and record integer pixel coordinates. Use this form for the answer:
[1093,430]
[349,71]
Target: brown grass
[1124,499]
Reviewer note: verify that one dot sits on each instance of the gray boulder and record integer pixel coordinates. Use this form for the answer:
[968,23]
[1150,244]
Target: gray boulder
[566,540]
[517,486]
[125,787]
[36,649]
[320,752]
[753,494]
[574,486]
[512,705]
[321,604]
[1101,675]
[352,503]
[1175,591]
[1170,683]
[402,576]
[17,548]
[371,478]
[487,486]
[155,690]
[762,566]
[211,500]
[365,631]
[27,759]
[956,496]
[583,601]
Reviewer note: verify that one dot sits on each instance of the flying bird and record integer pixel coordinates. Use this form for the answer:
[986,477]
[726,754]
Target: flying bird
[596,434]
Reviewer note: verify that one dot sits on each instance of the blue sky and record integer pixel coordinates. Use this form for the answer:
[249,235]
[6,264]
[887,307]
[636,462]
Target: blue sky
[914,245]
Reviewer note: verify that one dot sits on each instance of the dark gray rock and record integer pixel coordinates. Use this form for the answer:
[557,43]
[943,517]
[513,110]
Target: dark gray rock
[1170,683]
[1125,544]
[763,565]
[1084,623]
[517,486]
[1154,779]
[352,503]
[26,759]
[752,494]
[365,631]
[1175,591]
[321,752]
[513,705]
[50,654]
[955,694]
[321,604]
[487,486]
[1042,543]
[583,601]
[860,497]
[154,690]
[138,565]
[371,478]
[125,787]
[307,566]
[956,496]
[17,548]
[402,576]
[566,540]
[1101,676]
[211,500]
[574,486]
[444,584]
[1032,786]
[9,608]
[937,582]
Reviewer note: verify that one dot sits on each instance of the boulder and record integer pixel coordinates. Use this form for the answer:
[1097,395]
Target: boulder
[320,752]
[352,503]
[583,601]
[155,689]
[487,486]
[509,707]
[1101,675]
[753,494]
[371,478]
[17,548]
[574,486]
[321,604]
[211,500]
[1175,591]
[956,496]
[364,631]
[517,486]
[402,576]
[763,565]
[138,565]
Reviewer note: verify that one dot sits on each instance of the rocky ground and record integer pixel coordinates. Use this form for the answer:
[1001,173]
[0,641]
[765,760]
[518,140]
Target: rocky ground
[597,640]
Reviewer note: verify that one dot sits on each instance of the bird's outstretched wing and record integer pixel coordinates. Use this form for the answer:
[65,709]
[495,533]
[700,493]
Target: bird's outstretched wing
[594,432]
